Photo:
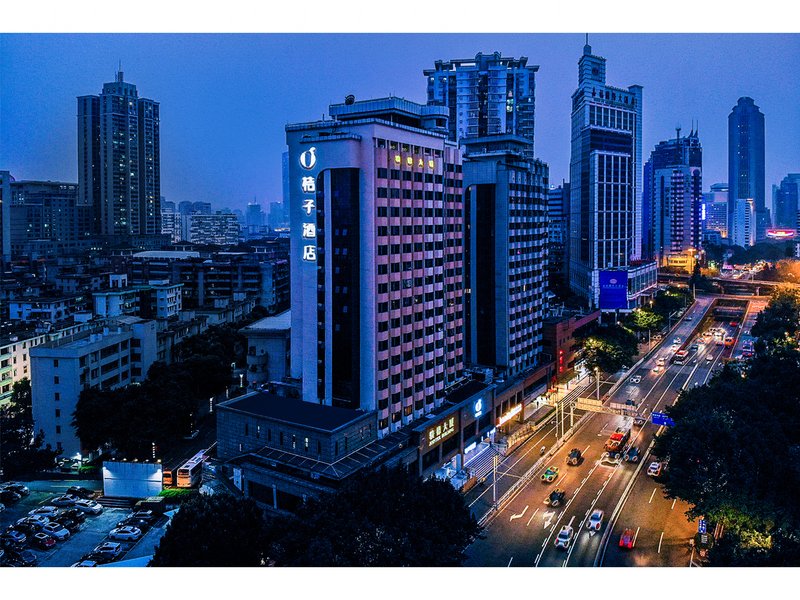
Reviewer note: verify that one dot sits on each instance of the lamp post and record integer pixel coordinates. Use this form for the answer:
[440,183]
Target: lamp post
[597,377]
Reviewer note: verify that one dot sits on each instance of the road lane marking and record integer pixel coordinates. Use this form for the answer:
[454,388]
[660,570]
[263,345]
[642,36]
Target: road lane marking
[531,519]
[571,521]
[548,518]
[659,542]
[509,561]
[634,537]
[585,450]
[653,494]
[673,504]
[520,515]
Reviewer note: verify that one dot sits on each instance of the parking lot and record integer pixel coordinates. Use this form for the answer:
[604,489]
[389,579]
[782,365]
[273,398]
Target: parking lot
[92,532]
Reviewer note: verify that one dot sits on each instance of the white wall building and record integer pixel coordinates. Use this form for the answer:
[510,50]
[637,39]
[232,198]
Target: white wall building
[744,223]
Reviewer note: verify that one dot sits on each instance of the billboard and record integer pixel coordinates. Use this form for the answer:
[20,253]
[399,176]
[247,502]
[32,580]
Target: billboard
[131,479]
[613,290]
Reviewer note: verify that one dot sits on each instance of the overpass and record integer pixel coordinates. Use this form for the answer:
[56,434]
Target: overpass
[731,287]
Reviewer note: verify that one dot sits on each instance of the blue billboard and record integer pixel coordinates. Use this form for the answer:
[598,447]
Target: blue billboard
[613,290]
[660,418]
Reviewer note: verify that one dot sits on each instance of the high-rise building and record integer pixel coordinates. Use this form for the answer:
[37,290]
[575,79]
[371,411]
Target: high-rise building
[119,172]
[605,208]
[376,258]
[715,208]
[275,217]
[285,185]
[743,230]
[557,237]
[254,218]
[674,195]
[219,228]
[505,260]
[746,161]
[488,95]
[5,219]
[785,201]
[47,210]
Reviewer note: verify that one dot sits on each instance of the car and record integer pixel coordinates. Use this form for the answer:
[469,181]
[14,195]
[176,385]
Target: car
[694,347]
[81,492]
[107,551]
[550,474]
[747,332]
[48,511]
[639,421]
[85,563]
[709,358]
[734,324]
[89,506]
[627,539]
[689,318]
[564,537]
[28,528]
[13,537]
[657,369]
[144,515]
[632,455]
[39,520]
[636,379]
[654,470]
[64,501]
[676,341]
[72,513]
[555,498]
[9,496]
[20,558]
[18,488]
[126,532]
[574,458]
[43,541]
[595,521]
[57,530]
[133,522]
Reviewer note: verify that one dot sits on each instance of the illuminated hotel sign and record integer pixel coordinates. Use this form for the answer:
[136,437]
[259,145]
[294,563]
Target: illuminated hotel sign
[441,431]
[477,408]
[308,185]
[781,234]
[509,415]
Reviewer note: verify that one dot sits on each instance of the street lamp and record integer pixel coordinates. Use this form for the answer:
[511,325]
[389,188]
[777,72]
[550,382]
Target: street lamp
[597,377]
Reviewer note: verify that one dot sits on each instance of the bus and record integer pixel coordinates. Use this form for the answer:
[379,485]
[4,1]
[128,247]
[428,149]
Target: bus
[191,473]
[680,357]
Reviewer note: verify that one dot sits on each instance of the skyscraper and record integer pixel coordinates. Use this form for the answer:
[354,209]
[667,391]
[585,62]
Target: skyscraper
[254,218]
[119,172]
[743,231]
[674,194]
[605,208]
[746,161]
[505,260]
[377,259]
[488,95]
[557,237]
[715,204]
[785,201]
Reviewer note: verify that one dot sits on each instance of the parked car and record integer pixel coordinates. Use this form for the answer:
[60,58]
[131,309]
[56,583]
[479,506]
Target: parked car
[72,513]
[81,492]
[13,537]
[141,524]
[18,488]
[144,515]
[595,521]
[57,530]
[39,520]
[106,552]
[20,558]
[654,470]
[43,541]
[627,539]
[555,498]
[71,525]
[564,537]
[125,532]
[89,506]
[550,474]
[9,496]
[64,501]
[48,511]
[84,563]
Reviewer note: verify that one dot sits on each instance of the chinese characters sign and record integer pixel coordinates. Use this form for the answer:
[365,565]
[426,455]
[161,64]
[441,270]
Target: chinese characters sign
[308,185]
[441,431]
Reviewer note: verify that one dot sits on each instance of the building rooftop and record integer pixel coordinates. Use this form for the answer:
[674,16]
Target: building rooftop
[173,254]
[292,410]
[280,322]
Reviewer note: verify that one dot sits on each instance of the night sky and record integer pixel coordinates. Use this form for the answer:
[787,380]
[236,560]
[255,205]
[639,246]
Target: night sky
[226,98]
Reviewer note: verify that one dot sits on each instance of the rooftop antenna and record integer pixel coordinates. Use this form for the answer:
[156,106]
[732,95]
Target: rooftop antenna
[119,72]
[678,131]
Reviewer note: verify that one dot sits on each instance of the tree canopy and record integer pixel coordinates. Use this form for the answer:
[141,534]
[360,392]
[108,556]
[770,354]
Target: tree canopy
[388,518]
[22,449]
[609,348]
[218,530]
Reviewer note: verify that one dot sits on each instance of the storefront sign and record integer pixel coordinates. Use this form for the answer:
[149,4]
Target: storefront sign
[441,431]
[308,185]
[509,415]
[477,408]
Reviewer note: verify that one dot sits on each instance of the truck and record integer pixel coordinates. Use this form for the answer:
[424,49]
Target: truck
[617,440]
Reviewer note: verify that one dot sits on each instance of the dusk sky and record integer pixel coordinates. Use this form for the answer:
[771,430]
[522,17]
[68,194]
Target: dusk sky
[225,99]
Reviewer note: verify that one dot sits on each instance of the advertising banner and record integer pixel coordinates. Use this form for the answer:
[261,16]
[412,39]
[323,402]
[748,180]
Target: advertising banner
[613,290]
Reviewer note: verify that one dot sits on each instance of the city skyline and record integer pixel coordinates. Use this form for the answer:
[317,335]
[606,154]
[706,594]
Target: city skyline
[255,84]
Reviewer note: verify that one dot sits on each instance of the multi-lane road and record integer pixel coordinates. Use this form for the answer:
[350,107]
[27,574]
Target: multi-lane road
[523,532]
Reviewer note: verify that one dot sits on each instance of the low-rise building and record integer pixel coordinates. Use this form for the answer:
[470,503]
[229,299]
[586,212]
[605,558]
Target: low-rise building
[560,335]
[42,309]
[268,348]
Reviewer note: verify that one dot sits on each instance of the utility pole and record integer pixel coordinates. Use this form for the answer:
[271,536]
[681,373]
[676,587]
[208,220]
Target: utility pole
[494,481]
[597,377]
[571,415]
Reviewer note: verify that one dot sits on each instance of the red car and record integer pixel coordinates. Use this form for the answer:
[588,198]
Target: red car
[627,539]
[734,324]
[43,541]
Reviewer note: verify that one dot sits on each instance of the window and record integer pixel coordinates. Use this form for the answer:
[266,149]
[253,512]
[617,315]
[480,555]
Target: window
[55,363]
[55,379]
[57,396]
[58,413]
[58,430]
[305,444]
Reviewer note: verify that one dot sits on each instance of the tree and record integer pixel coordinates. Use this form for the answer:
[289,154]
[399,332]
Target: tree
[609,348]
[388,518]
[21,446]
[643,319]
[219,530]
[779,323]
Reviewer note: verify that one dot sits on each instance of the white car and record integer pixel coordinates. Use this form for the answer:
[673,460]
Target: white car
[709,358]
[657,369]
[125,533]
[44,511]
[654,470]
[636,379]
[110,549]
[39,520]
[89,506]
[595,521]
[676,341]
[65,501]
[57,530]
[564,537]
